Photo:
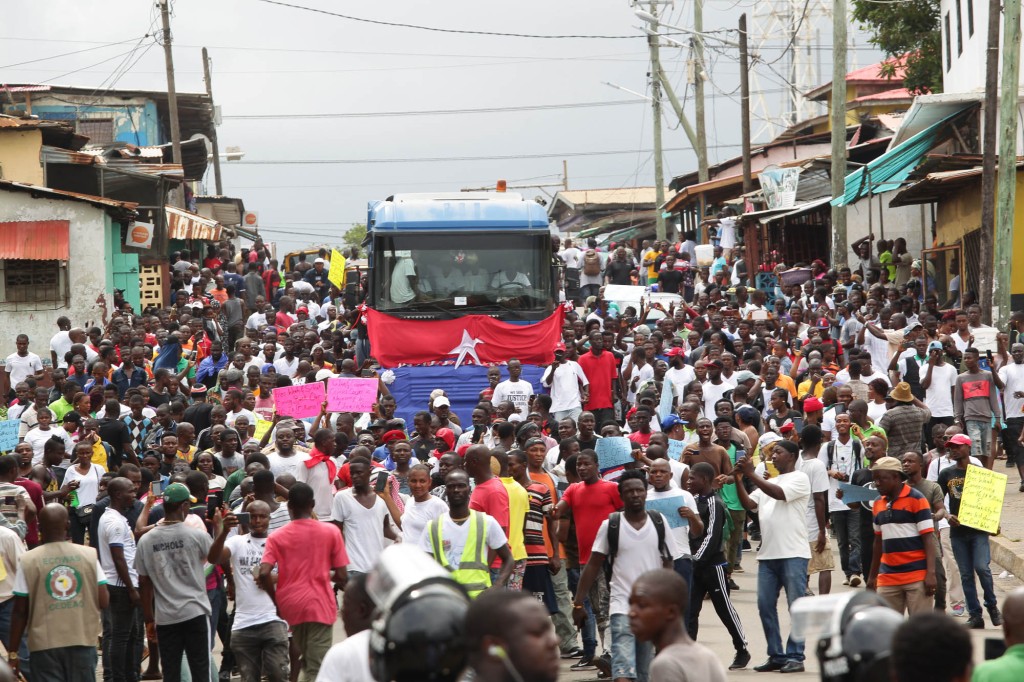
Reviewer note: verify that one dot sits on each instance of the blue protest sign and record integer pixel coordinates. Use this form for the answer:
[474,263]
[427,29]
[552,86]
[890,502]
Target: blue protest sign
[855,493]
[669,506]
[9,434]
[613,452]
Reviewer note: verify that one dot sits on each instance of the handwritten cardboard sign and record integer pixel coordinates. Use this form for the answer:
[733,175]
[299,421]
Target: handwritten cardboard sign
[665,403]
[262,426]
[675,449]
[613,452]
[669,506]
[299,402]
[351,395]
[336,275]
[9,434]
[981,504]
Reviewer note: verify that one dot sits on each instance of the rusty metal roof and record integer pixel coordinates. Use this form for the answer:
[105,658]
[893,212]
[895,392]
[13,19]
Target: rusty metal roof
[35,240]
[118,208]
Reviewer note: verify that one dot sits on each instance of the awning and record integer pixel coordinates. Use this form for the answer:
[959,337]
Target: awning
[798,210]
[184,225]
[34,240]
[888,171]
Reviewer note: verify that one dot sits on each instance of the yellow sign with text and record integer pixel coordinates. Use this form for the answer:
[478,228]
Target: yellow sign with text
[336,275]
[981,504]
[262,426]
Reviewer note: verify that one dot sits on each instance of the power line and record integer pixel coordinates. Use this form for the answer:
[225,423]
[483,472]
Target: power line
[439,112]
[68,54]
[510,157]
[436,29]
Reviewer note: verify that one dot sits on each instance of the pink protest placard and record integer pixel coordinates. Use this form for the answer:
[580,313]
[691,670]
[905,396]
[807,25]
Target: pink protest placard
[351,395]
[299,401]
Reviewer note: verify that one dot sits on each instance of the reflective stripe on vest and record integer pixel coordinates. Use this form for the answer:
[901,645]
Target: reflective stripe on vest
[473,572]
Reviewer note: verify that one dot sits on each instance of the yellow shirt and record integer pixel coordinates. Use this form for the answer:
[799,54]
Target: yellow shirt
[99,454]
[518,505]
[805,388]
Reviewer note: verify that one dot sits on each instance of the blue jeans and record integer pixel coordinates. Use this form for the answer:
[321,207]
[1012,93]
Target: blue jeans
[6,608]
[971,552]
[684,567]
[589,631]
[980,433]
[774,575]
[630,658]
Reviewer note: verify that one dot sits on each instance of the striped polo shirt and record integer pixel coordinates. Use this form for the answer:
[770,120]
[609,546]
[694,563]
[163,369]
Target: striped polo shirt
[903,523]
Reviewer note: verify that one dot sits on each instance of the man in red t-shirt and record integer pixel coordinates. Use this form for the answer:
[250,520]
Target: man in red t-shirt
[489,495]
[591,501]
[602,373]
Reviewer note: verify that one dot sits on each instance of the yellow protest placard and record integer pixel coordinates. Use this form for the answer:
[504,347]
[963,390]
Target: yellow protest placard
[982,501]
[262,426]
[336,275]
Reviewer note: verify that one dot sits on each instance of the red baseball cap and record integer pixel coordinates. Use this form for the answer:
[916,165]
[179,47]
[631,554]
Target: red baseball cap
[959,439]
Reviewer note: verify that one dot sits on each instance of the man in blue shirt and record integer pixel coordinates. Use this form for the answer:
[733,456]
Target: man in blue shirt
[132,373]
[211,365]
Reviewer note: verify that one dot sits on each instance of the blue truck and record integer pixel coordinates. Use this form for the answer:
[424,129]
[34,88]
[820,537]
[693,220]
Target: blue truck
[445,256]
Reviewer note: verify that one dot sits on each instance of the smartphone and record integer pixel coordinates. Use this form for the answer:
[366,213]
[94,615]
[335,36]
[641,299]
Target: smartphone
[213,503]
[382,482]
[243,518]
[156,488]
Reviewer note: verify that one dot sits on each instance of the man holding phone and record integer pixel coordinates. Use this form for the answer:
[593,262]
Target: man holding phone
[362,516]
[259,638]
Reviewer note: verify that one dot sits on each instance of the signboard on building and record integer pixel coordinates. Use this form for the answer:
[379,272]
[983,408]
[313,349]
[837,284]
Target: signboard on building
[250,219]
[779,186]
[140,235]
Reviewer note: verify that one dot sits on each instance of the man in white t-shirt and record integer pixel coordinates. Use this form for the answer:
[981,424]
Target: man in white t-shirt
[259,638]
[514,389]
[403,280]
[938,378]
[349,660]
[637,550]
[568,385]
[1012,378]
[23,364]
[60,343]
[116,544]
[362,517]
[781,504]
[821,562]
[842,456]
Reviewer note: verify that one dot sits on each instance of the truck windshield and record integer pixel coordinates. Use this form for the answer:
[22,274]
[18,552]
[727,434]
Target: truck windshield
[462,271]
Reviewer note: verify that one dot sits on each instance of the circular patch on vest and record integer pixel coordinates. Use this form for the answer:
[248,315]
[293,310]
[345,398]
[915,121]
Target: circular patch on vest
[63,583]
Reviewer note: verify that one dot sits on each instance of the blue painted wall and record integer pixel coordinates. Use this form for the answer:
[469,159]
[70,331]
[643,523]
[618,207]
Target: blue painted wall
[136,124]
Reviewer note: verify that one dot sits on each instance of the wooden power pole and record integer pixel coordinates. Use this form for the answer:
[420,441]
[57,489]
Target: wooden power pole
[988,165]
[660,230]
[213,138]
[1007,177]
[172,93]
[698,91]
[748,183]
[840,248]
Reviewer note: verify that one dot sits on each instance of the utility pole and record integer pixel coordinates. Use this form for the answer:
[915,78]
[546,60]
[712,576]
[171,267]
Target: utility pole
[660,231]
[698,90]
[1007,177]
[565,175]
[840,248]
[748,183]
[213,141]
[988,164]
[172,93]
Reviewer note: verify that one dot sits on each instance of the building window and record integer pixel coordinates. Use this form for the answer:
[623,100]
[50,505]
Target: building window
[959,31]
[970,18]
[33,281]
[100,131]
[949,44]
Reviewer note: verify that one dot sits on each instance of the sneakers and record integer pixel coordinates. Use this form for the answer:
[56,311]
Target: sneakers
[975,623]
[995,616]
[731,584]
[737,569]
[846,581]
[604,666]
[575,652]
[959,609]
[855,580]
[585,663]
[1021,488]
[741,661]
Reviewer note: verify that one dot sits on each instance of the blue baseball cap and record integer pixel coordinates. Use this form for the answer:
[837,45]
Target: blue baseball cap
[671,421]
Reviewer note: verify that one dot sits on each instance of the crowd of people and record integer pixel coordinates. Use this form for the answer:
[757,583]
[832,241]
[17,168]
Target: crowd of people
[156,501]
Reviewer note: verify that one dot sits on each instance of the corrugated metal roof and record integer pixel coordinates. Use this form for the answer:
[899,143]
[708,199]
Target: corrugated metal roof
[25,88]
[34,240]
[604,197]
[122,207]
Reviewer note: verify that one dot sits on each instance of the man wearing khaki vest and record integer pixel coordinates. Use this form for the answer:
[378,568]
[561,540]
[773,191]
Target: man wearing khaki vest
[59,592]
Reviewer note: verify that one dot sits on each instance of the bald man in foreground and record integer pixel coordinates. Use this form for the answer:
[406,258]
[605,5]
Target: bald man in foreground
[1010,666]
[59,592]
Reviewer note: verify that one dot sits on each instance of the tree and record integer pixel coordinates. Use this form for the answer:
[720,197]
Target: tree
[355,235]
[909,31]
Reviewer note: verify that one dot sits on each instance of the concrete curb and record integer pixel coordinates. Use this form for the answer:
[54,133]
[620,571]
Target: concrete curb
[1008,554]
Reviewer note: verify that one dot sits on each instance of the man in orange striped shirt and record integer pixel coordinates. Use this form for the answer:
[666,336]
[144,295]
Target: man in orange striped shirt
[903,567]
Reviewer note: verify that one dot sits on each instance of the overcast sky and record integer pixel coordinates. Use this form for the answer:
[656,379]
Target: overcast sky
[270,59]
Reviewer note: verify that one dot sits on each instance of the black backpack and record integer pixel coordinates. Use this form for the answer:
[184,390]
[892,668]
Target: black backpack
[857,453]
[615,522]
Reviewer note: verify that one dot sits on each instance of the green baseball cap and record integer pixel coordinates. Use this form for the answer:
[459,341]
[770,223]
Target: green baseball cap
[176,493]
